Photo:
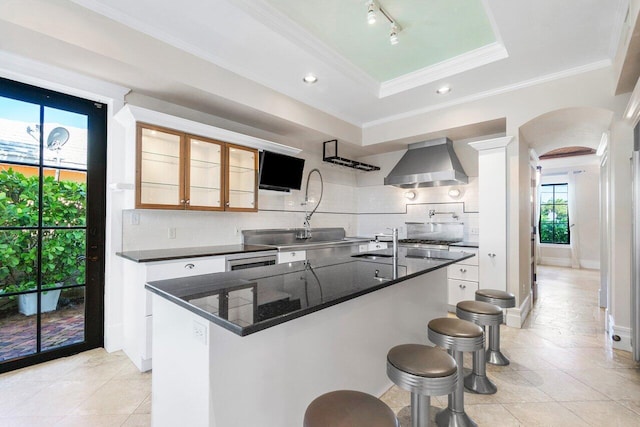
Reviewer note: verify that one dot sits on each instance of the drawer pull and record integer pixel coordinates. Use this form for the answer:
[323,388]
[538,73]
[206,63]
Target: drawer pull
[293,254]
[463,286]
[189,266]
[463,270]
[492,255]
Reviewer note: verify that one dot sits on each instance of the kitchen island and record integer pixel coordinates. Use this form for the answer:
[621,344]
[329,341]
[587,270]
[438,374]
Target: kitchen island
[254,347]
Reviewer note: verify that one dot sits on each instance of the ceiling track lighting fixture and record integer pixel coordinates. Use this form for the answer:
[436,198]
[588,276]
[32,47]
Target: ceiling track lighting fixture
[372,5]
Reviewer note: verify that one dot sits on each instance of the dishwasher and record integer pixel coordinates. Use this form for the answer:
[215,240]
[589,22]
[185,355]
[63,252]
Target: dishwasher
[242,261]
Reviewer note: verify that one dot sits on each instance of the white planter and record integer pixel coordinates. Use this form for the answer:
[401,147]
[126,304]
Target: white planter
[28,304]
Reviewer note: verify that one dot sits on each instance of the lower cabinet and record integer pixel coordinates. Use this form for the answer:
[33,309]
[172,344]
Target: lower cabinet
[138,310]
[462,278]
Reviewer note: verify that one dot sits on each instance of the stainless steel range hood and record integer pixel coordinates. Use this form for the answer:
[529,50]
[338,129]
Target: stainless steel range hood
[428,164]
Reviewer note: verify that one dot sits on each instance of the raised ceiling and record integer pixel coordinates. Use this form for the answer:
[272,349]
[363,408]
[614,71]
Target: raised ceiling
[243,60]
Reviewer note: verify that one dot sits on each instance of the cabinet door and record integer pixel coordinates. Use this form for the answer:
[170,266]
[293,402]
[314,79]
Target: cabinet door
[242,179]
[159,168]
[204,180]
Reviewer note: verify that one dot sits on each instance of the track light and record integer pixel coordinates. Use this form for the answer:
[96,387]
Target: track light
[372,5]
[393,35]
[371,13]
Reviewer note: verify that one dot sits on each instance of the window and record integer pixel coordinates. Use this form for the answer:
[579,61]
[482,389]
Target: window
[554,214]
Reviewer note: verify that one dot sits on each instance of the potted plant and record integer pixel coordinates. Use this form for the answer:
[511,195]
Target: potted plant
[63,250]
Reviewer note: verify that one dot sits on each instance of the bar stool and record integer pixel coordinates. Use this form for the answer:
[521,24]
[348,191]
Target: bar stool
[349,408]
[504,300]
[457,336]
[482,314]
[424,371]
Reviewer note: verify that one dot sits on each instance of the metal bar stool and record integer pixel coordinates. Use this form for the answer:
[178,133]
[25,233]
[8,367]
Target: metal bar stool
[457,336]
[482,314]
[349,408]
[504,300]
[424,371]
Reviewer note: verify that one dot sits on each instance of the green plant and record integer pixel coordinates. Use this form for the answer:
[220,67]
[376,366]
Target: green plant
[63,250]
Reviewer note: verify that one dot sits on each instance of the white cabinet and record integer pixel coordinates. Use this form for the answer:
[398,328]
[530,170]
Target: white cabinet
[137,307]
[291,256]
[462,276]
[492,189]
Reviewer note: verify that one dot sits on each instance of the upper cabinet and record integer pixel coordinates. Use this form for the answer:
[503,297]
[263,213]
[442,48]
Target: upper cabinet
[177,170]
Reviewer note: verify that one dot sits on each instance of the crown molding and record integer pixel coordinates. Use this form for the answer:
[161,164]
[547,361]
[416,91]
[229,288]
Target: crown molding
[493,92]
[490,144]
[465,62]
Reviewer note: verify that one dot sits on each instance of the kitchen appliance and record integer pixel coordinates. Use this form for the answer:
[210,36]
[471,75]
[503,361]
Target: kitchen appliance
[428,164]
[242,261]
[280,172]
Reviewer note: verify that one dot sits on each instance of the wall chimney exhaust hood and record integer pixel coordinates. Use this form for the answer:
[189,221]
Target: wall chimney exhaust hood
[428,164]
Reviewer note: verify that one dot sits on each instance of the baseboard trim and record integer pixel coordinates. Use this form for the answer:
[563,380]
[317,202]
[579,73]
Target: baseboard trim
[566,262]
[517,316]
[590,264]
[622,332]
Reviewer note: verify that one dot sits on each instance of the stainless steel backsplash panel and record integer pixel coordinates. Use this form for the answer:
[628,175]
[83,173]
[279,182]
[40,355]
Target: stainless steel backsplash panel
[435,230]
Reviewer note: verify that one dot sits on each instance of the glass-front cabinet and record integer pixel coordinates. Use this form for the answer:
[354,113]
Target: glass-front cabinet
[242,171]
[181,171]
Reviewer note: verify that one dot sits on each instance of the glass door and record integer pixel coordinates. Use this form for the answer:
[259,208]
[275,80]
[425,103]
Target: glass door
[52,209]
[242,165]
[204,174]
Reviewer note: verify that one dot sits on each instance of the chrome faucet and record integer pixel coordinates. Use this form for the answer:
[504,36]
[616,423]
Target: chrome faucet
[305,233]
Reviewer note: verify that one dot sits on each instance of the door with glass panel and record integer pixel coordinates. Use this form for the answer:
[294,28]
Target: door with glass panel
[242,166]
[52,210]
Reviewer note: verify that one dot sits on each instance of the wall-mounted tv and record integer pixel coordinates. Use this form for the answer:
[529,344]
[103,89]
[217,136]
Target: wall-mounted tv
[280,172]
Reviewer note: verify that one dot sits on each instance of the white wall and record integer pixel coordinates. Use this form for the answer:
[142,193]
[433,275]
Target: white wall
[586,180]
[381,207]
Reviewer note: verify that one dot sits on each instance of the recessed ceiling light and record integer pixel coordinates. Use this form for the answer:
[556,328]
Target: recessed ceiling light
[310,79]
[393,35]
[443,90]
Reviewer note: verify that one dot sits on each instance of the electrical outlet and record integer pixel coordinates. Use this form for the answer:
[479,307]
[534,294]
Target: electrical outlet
[172,232]
[200,332]
[135,218]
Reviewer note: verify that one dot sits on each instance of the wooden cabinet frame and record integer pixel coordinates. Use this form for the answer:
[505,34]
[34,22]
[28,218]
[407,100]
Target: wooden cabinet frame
[184,187]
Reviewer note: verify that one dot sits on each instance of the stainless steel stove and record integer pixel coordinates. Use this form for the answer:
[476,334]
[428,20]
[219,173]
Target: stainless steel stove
[427,244]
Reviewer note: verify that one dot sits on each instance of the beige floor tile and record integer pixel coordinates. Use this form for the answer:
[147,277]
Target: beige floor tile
[513,387]
[58,398]
[396,398]
[610,414]
[116,397]
[110,420]
[562,387]
[523,359]
[494,415]
[145,406]
[29,421]
[15,393]
[606,381]
[138,420]
[633,404]
[547,414]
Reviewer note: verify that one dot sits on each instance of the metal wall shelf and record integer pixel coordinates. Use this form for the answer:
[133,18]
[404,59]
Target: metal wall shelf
[330,155]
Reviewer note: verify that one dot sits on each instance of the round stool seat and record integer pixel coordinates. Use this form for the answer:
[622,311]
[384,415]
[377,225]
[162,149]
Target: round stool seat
[424,371]
[494,296]
[349,408]
[480,313]
[456,334]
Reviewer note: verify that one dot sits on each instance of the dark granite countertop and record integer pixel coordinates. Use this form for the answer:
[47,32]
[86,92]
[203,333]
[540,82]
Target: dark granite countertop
[195,252]
[247,301]
[465,244]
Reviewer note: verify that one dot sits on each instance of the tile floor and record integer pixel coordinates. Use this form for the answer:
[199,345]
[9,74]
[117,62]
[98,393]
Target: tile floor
[563,372]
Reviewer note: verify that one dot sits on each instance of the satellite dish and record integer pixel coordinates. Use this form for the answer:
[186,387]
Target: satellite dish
[57,138]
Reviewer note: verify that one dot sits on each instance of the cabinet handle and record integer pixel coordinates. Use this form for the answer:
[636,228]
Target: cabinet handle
[293,254]
[492,255]
[189,266]
[226,204]
[463,270]
[182,201]
[463,286]
[188,201]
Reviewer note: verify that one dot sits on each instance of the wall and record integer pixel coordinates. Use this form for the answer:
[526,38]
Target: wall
[381,206]
[338,208]
[586,179]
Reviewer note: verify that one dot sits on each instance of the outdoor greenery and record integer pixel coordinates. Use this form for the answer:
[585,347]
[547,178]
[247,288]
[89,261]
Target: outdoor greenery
[63,251]
[554,214]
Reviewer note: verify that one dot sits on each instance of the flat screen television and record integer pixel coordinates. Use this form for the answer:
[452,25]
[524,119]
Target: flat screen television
[280,172]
